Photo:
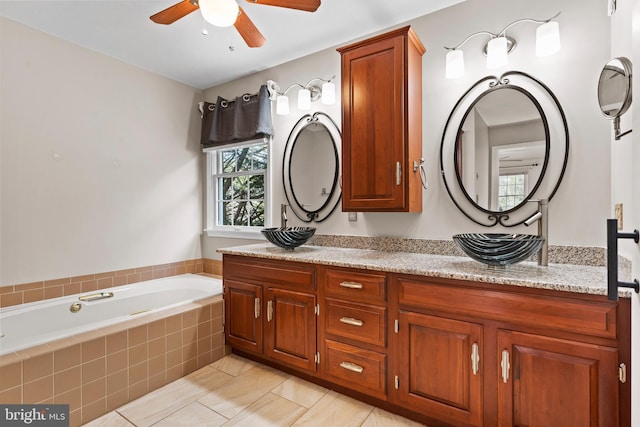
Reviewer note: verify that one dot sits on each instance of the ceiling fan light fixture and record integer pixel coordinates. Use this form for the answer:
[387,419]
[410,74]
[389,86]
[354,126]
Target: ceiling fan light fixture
[221,13]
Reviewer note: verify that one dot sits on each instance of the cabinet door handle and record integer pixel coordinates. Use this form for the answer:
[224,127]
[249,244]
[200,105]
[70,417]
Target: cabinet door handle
[352,367]
[256,307]
[475,358]
[351,321]
[269,310]
[351,285]
[398,173]
[504,364]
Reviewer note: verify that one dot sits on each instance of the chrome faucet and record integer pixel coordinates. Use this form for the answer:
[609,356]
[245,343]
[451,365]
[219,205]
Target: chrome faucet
[283,216]
[542,216]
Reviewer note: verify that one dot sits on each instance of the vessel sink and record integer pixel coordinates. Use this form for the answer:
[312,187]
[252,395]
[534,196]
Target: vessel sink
[497,249]
[288,237]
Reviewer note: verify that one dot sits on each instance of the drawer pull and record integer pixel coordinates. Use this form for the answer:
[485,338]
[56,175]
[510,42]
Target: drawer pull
[505,365]
[351,321]
[352,367]
[351,285]
[269,310]
[256,307]
[475,358]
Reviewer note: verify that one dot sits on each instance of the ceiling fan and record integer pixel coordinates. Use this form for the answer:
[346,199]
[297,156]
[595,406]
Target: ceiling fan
[224,13]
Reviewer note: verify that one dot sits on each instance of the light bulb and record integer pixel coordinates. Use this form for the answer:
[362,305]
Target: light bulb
[497,52]
[304,99]
[548,39]
[454,64]
[328,93]
[282,105]
[221,13]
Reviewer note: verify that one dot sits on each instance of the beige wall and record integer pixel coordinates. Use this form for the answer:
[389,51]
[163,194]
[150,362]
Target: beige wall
[100,162]
[577,212]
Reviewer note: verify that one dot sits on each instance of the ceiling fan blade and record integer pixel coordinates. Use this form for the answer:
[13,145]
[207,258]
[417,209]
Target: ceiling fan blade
[173,13]
[248,31]
[306,5]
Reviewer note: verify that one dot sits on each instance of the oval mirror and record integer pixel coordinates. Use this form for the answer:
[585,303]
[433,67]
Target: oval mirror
[614,87]
[506,142]
[311,167]
[501,148]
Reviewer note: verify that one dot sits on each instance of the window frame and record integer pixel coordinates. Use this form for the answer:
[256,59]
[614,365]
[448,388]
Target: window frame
[211,193]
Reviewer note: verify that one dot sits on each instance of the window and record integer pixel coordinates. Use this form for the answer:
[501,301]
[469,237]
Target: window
[511,190]
[237,183]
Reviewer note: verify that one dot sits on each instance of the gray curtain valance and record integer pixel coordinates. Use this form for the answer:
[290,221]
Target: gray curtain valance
[243,119]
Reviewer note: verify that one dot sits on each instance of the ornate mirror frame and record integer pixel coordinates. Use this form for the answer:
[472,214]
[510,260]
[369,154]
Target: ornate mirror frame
[556,158]
[335,194]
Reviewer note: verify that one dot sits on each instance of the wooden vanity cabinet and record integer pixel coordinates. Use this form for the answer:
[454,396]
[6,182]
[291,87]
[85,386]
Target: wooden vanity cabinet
[471,354]
[441,351]
[382,123]
[270,309]
[353,329]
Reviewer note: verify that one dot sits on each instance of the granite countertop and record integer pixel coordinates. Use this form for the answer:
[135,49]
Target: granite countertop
[562,277]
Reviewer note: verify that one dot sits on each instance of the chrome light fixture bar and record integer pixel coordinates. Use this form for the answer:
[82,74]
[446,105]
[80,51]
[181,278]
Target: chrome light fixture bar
[500,45]
[307,93]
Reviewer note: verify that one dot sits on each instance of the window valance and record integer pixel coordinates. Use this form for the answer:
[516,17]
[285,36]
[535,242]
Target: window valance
[246,118]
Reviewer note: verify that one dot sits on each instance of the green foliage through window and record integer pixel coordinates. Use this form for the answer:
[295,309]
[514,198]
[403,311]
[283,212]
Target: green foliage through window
[240,185]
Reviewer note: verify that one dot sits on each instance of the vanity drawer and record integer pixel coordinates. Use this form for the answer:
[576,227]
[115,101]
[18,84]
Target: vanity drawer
[356,368]
[361,322]
[281,273]
[562,314]
[355,285]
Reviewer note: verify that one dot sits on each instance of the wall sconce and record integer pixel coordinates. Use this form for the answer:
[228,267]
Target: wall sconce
[500,45]
[307,93]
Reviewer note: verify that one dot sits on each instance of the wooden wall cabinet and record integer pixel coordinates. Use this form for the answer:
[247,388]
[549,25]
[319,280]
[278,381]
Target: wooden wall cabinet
[382,123]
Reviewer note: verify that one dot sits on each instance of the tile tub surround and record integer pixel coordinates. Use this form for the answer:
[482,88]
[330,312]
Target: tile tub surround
[561,277]
[101,370]
[47,289]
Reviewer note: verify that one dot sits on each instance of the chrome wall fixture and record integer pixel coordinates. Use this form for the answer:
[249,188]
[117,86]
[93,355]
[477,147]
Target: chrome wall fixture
[307,93]
[500,45]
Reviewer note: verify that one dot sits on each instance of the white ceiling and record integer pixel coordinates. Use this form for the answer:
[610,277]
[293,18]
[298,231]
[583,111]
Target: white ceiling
[122,29]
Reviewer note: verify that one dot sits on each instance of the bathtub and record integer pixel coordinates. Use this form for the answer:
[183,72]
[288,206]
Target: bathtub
[122,343]
[32,324]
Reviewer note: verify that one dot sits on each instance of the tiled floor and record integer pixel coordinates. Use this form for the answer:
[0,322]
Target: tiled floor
[238,392]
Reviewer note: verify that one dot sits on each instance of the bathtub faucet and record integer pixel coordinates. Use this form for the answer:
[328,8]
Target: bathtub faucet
[95,297]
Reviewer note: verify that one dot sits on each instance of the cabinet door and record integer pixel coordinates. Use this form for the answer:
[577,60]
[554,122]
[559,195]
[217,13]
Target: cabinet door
[553,382]
[243,320]
[373,127]
[439,365]
[290,328]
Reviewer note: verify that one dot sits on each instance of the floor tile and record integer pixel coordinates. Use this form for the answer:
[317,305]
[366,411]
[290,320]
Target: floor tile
[233,397]
[112,419]
[268,411]
[300,391]
[193,415]
[233,365]
[381,418]
[162,402]
[335,410]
